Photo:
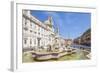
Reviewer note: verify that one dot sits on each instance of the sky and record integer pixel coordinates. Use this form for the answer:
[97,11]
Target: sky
[71,24]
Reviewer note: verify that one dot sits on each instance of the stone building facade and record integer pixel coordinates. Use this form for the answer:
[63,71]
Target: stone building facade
[35,32]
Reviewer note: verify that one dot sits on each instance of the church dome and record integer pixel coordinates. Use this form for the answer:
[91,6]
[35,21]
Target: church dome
[49,21]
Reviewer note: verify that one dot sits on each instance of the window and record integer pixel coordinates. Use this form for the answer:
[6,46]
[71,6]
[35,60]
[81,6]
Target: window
[30,41]
[34,41]
[49,39]
[42,30]
[33,25]
[25,28]
[35,32]
[25,21]
[25,40]
[38,28]
[31,31]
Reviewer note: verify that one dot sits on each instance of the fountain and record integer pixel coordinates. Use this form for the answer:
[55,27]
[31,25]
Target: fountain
[51,54]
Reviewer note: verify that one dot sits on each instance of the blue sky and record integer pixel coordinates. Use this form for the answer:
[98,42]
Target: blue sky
[71,24]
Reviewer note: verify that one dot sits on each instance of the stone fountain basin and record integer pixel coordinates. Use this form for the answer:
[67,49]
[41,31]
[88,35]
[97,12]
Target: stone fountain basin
[48,55]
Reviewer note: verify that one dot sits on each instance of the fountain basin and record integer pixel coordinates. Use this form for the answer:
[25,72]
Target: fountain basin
[47,56]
